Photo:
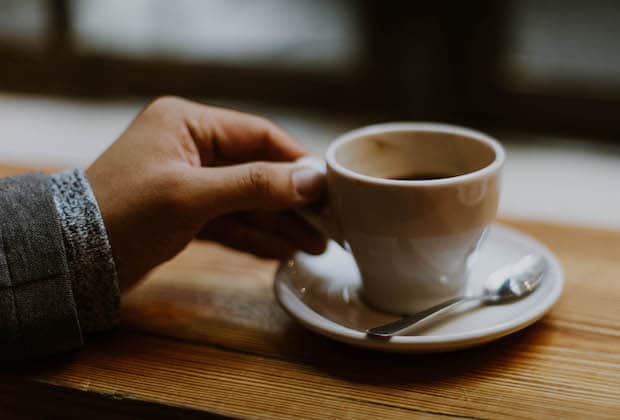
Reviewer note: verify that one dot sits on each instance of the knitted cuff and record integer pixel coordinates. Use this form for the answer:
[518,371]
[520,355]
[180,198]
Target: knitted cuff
[89,256]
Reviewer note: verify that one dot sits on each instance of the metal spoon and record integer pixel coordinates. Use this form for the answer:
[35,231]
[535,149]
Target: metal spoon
[510,282]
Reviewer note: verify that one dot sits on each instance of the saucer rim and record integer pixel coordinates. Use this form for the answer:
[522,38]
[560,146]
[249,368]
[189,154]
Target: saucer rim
[316,322]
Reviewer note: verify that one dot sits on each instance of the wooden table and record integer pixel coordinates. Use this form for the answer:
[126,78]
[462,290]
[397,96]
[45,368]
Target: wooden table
[204,337]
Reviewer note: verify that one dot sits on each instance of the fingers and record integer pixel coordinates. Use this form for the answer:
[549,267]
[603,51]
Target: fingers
[266,234]
[224,135]
[289,226]
[253,186]
[230,231]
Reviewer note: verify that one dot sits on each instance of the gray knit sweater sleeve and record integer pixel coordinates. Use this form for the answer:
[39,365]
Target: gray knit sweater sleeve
[89,256]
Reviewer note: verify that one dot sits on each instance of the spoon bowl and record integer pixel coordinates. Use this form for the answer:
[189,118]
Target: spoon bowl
[514,281]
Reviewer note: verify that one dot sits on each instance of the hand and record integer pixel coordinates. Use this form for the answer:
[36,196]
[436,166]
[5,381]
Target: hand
[183,170]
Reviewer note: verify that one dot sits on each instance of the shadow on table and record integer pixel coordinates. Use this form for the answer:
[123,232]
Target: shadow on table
[296,345]
[380,368]
[275,335]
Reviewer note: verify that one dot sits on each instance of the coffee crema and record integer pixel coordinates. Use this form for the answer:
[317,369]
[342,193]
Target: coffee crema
[421,176]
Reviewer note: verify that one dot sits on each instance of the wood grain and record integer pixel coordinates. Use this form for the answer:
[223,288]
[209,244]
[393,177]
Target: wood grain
[204,335]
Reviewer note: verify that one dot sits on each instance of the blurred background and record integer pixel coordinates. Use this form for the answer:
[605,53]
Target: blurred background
[543,76]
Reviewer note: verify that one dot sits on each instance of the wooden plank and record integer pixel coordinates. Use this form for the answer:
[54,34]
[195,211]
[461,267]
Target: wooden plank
[204,333]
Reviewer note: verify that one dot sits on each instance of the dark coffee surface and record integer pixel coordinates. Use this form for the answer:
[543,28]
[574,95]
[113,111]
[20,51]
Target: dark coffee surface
[421,176]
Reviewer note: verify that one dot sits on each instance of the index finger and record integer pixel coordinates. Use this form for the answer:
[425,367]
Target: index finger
[228,136]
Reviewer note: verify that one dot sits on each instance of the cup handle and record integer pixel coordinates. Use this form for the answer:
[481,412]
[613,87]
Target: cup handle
[321,216]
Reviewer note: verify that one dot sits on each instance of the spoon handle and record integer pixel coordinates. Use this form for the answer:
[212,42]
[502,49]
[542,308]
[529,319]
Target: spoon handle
[407,323]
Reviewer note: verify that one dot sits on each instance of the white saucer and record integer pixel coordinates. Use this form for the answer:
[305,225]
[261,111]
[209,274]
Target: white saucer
[322,293]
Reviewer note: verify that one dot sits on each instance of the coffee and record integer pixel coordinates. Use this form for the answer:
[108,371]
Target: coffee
[421,176]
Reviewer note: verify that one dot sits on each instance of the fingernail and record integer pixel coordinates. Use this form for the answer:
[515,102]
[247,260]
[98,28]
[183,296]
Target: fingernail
[308,182]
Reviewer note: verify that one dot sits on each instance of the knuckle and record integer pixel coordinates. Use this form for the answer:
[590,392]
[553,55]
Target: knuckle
[166,101]
[163,105]
[265,122]
[266,126]
[260,179]
[167,114]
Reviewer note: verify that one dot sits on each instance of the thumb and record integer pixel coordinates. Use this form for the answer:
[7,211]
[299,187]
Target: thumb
[259,186]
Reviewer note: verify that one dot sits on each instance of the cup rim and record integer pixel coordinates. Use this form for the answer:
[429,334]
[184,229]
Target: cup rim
[498,149]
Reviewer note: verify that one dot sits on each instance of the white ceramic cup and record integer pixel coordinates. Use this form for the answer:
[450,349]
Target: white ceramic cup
[414,241]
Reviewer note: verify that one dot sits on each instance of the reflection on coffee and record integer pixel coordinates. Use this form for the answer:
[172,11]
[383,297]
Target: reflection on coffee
[422,176]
